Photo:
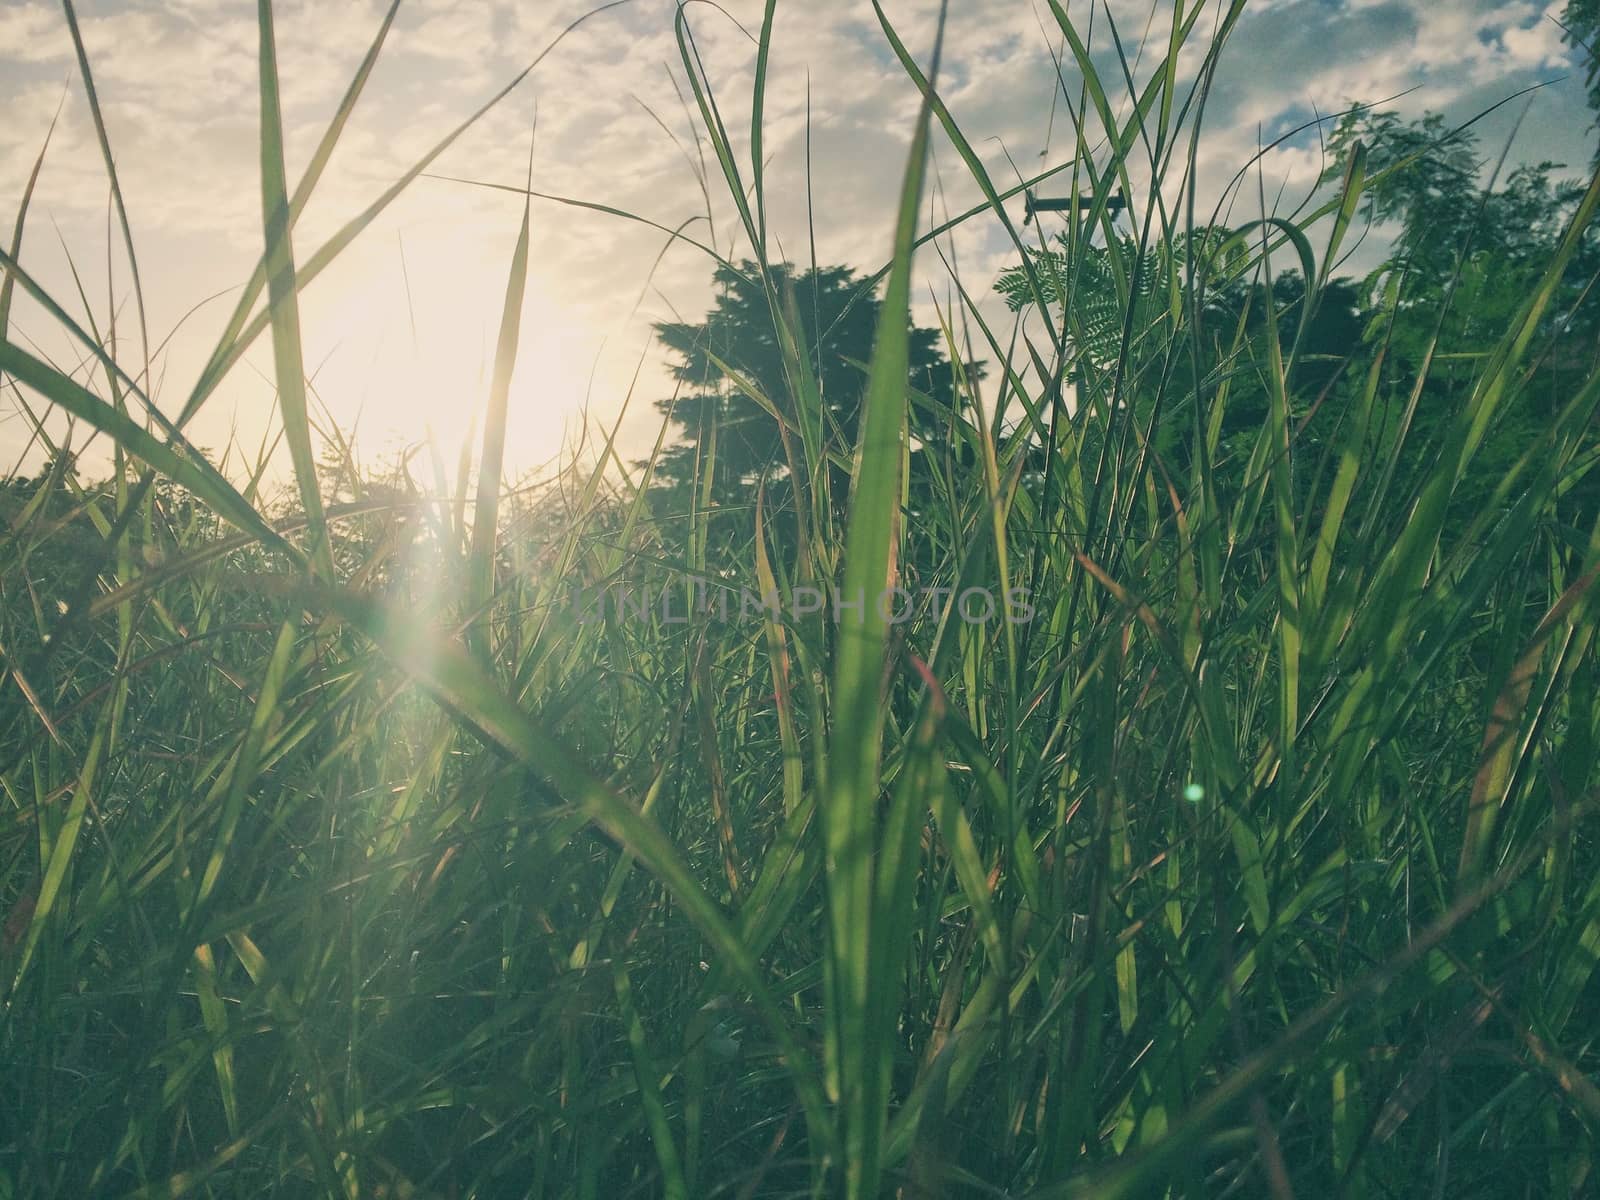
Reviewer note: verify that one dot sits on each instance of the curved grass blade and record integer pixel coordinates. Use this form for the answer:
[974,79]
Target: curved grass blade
[302,195]
[111,168]
[61,848]
[485,520]
[8,284]
[192,471]
[283,302]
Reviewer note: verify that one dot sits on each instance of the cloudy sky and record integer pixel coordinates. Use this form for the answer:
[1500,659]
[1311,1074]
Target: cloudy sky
[399,333]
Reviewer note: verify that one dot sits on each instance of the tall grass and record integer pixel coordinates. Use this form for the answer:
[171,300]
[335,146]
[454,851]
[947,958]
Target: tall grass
[343,855]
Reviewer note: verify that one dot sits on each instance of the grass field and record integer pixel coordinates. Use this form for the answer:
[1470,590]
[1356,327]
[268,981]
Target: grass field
[341,854]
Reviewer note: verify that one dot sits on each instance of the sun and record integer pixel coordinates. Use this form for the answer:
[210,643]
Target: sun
[406,356]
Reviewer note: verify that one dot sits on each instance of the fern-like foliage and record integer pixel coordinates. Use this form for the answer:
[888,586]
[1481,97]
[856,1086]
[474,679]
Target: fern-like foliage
[1109,289]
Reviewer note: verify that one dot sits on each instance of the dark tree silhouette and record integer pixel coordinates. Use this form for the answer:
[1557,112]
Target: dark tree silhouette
[1581,24]
[837,313]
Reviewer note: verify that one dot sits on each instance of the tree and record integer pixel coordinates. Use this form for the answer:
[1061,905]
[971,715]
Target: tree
[837,316]
[1581,23]
[1463,265]
[1122,324]
[1428,178]
[1094,277]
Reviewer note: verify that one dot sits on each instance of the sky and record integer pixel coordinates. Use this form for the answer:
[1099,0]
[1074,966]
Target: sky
[400,331]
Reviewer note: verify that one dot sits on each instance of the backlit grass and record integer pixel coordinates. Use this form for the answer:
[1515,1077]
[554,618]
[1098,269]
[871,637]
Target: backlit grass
[341,854]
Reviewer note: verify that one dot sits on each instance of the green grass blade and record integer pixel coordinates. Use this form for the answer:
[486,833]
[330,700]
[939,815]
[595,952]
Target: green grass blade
[648,1075]
[8,284]
[302,195]
[62,846]
[111,168]
[192,472]
[855,744]
[491,464]
[283,300]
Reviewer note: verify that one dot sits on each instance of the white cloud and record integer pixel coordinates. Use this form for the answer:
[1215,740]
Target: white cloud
[1537,45]
[32,32]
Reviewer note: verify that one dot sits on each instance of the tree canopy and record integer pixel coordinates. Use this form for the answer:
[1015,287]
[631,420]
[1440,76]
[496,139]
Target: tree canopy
[734,355]
[1581,30]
